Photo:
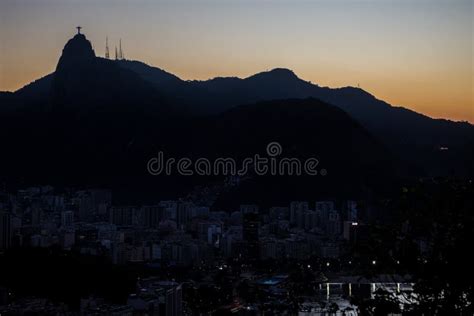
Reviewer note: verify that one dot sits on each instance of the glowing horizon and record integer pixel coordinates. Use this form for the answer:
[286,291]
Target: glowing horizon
[412,54]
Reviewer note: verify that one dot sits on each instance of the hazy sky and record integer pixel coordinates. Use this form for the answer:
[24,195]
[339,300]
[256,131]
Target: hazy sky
[418,54]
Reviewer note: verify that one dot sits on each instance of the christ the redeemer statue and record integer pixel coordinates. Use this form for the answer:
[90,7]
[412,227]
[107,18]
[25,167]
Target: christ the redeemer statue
[78,29]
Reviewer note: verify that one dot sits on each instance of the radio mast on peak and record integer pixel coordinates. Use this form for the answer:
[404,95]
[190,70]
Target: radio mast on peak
[107,48]
[120,50]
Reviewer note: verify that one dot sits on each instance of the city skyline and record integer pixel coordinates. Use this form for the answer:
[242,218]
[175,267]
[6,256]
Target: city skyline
[417,55]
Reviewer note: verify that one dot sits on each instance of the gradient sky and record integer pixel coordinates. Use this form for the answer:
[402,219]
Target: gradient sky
[417,54]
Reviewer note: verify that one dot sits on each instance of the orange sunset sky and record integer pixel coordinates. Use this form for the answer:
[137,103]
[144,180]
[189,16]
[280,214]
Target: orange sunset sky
[417,54]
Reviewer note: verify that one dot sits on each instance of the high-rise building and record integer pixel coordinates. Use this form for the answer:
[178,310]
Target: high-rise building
[310,220]
[36,215]
[324,207]
[295,208]
[248,208]
[350,230]
[151,215]
[250,234]
[67,219]
[183,213]
[351,211]
[124,216]
[83,201]
[158,298]
[174,299]
[5,230]
[333,226]
[170,209]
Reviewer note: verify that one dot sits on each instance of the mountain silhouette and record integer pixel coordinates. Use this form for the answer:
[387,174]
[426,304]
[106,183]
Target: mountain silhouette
[86,83]
[305,128]
[414,137]
[98,121]
[90,97]
[112,150]
[76,51]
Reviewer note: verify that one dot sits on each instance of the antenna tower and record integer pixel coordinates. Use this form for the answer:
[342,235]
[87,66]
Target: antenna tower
[107,48]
